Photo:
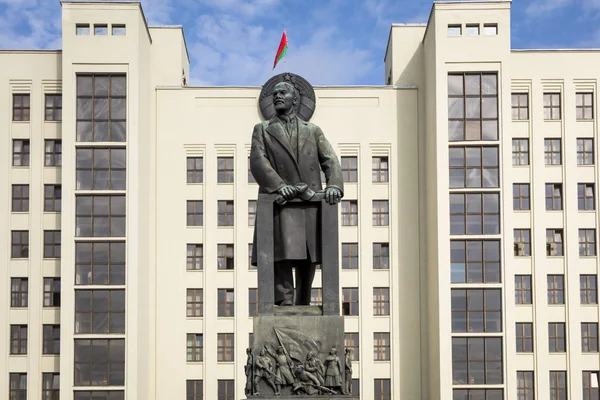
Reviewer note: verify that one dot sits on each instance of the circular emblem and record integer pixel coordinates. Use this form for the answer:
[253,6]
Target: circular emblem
[306,103]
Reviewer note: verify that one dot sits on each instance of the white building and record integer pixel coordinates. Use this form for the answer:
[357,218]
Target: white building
[468,229]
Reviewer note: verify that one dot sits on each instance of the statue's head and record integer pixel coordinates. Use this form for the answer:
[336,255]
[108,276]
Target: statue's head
[262,352]
[348,351]
[285,97]
[310,355]
[333,351]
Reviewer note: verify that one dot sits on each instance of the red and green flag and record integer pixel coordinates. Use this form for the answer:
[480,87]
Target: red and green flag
[283,45]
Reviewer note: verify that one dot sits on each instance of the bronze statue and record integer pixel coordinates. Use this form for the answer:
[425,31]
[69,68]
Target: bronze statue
[315,367]
[285,365]
[263,369]
[249,370]
[286,158]
[348,370]
[333,371]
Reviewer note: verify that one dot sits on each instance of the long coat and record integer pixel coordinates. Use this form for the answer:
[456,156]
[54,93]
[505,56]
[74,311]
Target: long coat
[274,165]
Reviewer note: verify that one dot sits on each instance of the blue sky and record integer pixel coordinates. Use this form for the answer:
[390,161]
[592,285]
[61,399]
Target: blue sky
[331,42]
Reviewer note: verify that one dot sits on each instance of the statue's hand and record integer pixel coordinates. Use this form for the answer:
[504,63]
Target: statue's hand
[288,192]
[333,195]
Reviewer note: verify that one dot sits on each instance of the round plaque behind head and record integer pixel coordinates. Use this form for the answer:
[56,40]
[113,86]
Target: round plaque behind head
[306,96]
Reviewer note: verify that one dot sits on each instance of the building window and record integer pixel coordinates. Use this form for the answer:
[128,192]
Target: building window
[21,107]
[226,302]
[100,263]
[19,288]
[520,106]
[99,362]
[381,213]
[521,199]
[251,212]
[349,255]
[479,394]
[558,385]
[51,292]
[589,337]
[522,239]
[472,106]
[21,152]
[225,257]
[525,388]
[556,289]
[225,214]
[99,311]
[553,196]
[454,30]
[225,347]
[18,339]
[352,342]
[20,198]
[250,266]
[380,169]
[194,390]
[195,302]
[552,106]
[585,151]
[316,297]
[101,108]
[99,395]
[585,197]
[382,389]
[18,386]
[473,167]
[225,172]
[195,170]
[250,176]
[82,29]
[53,107]
[520,151]
[474,213]
[472,30]
[355,386]
[381,301]
[587,242]
[381,255]
[556,337]
[588,289]
[195,213]
[476,310]
[552,152]
[53,153]
[349,169]
[118,30]
[349,212]
[50,386]
[226,390]
[524,337]
[350,301]
[195,257]
[381,346]
[584,106]
[477,361]
[490,29]
[523,289]
[101,169]
[100,29]
[51,343]
[590,385]
[51,244]
[100,216]
[52,198]
[253,302]
[475,261]
[19,244]
[195,347]
[554,242]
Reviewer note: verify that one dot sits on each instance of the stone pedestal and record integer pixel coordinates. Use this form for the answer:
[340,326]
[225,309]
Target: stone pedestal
[299,331]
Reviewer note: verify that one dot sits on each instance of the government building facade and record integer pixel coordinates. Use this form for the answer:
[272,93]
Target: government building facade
[468,228]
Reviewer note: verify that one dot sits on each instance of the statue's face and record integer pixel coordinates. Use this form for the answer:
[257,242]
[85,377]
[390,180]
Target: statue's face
[283,98]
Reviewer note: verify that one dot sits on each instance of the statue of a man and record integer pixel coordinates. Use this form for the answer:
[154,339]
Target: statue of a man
[287,151]
[264,371]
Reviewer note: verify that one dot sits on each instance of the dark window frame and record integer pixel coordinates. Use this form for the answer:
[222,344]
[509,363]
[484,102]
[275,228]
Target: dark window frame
[381,301]
[587,242]
[525,385]
[225,257]
[51,339]
[252,207]
[18,339]
[195,257]
[352,341]
[523,289]
[382,389]
[470,362]
[225,389]
[252,302]
[554,196]
[19,244]
[589,337]
[53,107]
[105,168]
[21,107]
[473,306]
[195,347]
[557,337]
[521,197]
[225,347]
[194,389]
[558,391]
[50,386]
[381,346]
[553,151]
[590,392]
[350,301]
[225,212]
[486,170]
[52,244]
[114,360]
[381,213]
[520,151]
[349,256]
[195,212]
[586,197]
[556,289]
[524,337]
[380,166]
[555,242]
[520,106]
[17,385]
[552,106]
[349,165]
[381,255]
[470,262]
[522,236]
[584,106]
[21,153]
[588,289]
[225,170]
[195,169]
[585,151]
[52,152]
[103,306]
[116,220]
[52,198]
[20,198]
[100,263]
[487,216]
[349,212]
[195,303]
[19,290]
[225,302]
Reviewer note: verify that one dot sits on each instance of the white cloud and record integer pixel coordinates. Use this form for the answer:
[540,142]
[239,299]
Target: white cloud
[544,6]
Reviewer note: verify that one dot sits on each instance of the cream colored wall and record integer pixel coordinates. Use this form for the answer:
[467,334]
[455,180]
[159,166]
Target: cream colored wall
[360,122]
[36,73]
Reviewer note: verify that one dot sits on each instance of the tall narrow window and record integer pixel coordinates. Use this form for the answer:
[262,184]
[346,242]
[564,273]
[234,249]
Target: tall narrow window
[20,198]
[53,107]
[381,213]
[225,216]
[225,257]
[552,106]
[101,108]
[349,212]
[558,385]
[251,212]
[585,197]
[473,106]
[521,199]
[589,337]
[556,289]
[552,152]
[351,341]
[21,153]
[350,301]
[381,256]
[584,103]
[520,106]
[51,292]
[51,244]
[18,339]
[21,107]
[554,242]
[590,385]
[381,301]
[19,289]
[522,240]
[195,213]
[380,169]
[253,302]
[557,342]
[349,169]
[349,255]
[520,151]
[195,347]
[316,297]
[52,198]
[250,176]
[195,257]
[225,389]
[195,169]
[53,153]
[19,244]
[381,346]
[523,289]
[51,344]
[553,196]
[225,171]
[194,389]
[18,386]
[588,289]
[50,386]
[382,389]
[585,151]
[195,303]
[524,335]
[225,302]
[225,347]
[587,242]
[525,388]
